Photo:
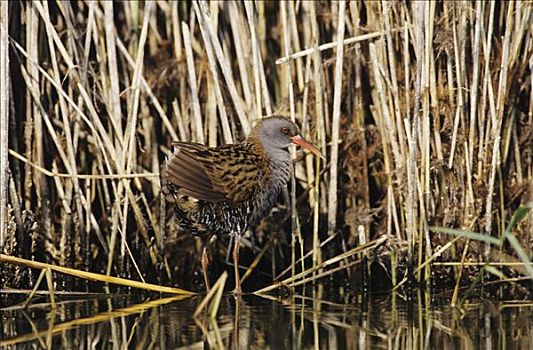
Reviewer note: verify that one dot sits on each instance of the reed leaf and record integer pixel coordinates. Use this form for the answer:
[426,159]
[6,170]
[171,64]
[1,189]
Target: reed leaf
[467,234]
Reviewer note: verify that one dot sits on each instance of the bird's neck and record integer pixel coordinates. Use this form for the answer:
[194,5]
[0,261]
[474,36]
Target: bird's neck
[276,163]
[276,157]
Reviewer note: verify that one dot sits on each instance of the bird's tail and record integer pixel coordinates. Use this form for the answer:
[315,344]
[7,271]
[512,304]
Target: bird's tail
[183,208]
[176,200]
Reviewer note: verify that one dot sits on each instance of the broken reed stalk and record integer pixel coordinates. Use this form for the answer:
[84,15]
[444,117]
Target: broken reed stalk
[211,302]
[98,117]
[92,276]
[79,176]
[300,277]
[34,290]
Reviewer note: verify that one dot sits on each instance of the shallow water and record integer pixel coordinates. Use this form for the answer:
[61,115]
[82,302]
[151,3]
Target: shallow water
[376,322]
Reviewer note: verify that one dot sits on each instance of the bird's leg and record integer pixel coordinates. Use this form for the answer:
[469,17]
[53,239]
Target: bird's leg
[205,266]
[236,264]
[229,249]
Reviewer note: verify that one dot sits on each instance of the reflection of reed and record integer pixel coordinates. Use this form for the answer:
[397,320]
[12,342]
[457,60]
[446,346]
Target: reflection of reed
[380,324]
[299,322]
[102,317]
[210,305]
[235,333]
[213,336]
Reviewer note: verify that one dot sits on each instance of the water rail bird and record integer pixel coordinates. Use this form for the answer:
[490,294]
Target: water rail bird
[229,189]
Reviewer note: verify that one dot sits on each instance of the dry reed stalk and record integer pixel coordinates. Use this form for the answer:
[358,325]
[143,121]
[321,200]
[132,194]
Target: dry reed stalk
[453,302]
[479,263]
[129,145]
[114,93]
[204,20]
[199,136]
[256,57]
[4,118]
[16,203]
[34,290]
[55,173]
[216,88]
[211,301]
[316,251]
[309,166]
[319,117]
[296,237]
[50,284]
[426,197]
[336,259]
[316,276]
[474,90]
[295,45]
[487,97]
[393,79]
[329,46]
[335,124]
[317,258]
[181,125]
[92,276]
[359,127]
[413,136]
[241,51]
[459,99]
[496,128]
[260,82]
[530,170]
[32,115]
[70,157]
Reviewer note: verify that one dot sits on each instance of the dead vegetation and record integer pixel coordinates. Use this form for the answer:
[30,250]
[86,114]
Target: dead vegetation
[424,110]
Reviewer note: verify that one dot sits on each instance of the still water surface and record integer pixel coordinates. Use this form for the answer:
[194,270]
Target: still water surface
[376,322]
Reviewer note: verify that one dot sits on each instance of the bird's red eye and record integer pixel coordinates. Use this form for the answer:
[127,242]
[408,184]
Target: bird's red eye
[285,131]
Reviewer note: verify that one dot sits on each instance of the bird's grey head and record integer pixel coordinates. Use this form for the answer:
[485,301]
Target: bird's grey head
[276,134]
[277,131]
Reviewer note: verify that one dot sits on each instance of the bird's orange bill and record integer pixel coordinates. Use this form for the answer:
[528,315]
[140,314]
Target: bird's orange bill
[300,141]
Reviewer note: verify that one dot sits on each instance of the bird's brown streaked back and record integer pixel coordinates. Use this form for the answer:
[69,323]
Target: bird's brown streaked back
[226,173]
[185,170]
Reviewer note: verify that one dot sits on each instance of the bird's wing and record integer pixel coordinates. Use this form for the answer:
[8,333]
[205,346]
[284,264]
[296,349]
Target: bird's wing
[214,174]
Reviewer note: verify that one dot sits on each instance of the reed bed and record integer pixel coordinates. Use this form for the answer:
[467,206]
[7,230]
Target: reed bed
[424,111]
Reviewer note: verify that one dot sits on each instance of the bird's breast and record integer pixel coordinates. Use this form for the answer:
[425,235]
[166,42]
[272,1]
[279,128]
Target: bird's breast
[267,193]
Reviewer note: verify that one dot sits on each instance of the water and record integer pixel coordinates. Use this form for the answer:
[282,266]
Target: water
[253,322]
